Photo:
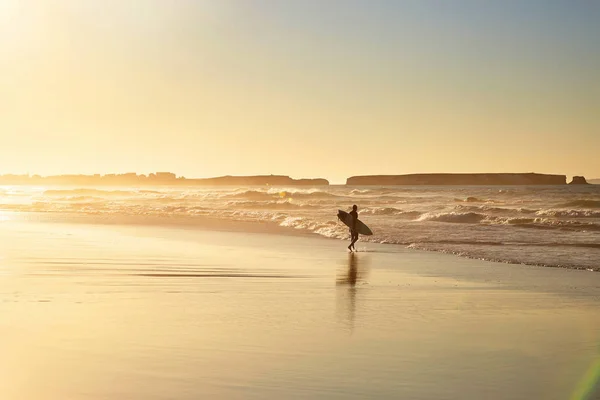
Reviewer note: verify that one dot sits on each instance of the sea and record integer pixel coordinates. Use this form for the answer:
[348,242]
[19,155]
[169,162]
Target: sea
[551,226]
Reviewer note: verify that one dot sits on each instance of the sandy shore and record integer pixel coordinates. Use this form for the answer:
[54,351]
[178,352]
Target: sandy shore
[147,312]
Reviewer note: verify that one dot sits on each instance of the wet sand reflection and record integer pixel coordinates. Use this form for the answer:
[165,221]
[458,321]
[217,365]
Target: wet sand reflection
[354,271]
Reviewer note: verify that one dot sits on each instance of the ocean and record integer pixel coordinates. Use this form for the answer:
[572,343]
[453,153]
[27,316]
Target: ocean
[553,226]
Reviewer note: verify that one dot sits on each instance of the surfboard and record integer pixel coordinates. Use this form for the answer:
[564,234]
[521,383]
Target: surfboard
[360,226]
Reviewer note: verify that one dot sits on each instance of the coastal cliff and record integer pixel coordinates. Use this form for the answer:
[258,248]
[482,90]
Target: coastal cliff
[259,180]
[578,180]
[157,179]
[458,179]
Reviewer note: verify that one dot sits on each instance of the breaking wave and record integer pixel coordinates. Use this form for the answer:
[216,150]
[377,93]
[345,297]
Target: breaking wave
[453,217]
[569,213]
[88,192]
[270,205]
[390,211]
[583,204]
[265,196]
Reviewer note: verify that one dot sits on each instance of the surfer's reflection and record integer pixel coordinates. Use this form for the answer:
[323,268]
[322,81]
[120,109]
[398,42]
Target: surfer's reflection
[353,272]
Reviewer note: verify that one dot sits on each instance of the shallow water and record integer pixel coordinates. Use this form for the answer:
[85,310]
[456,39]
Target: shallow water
[149,312]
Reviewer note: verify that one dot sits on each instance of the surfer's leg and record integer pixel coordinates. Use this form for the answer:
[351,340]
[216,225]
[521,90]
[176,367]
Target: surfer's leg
[354,239]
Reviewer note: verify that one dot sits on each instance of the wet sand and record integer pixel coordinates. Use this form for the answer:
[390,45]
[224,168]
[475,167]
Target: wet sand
[150,312]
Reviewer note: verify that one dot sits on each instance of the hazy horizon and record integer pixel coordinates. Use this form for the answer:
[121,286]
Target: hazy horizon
[308,89]
[331,181]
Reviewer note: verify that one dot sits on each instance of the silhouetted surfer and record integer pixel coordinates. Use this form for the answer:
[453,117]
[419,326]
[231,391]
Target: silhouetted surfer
[353,231]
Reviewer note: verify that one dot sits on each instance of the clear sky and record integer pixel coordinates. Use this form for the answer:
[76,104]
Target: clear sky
[305,88]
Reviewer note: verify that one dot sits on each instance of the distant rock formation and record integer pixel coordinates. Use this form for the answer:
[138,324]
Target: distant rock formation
[458,179]
[271,180]
[157,179]
[594,181]
[311,182]
[578,180]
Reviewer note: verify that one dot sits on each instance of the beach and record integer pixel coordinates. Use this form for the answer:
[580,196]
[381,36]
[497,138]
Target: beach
[182,183]
[151,311]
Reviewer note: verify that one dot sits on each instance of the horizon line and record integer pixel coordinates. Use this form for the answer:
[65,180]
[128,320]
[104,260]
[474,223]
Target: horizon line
[175,176]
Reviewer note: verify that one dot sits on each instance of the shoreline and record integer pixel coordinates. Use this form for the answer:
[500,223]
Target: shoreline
[231,225]
[416,262]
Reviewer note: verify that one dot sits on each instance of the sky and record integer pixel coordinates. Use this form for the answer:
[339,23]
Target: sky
[304,88]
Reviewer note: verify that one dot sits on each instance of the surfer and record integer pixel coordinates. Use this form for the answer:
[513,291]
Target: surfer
[353,230]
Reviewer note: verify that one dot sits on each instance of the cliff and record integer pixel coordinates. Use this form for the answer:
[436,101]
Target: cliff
[156,179]
[271,180]
[578,180]
[458,179]
[311,182]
